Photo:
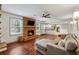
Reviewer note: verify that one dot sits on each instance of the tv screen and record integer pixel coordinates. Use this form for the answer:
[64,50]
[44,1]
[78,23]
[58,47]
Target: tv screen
[30,23]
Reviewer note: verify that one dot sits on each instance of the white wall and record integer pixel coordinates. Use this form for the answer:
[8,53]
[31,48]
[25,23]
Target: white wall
[5,36]
[64,27]
[67,27]
[75,30]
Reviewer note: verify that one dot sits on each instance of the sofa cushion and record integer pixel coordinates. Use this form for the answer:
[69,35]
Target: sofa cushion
[42,44]
[70,42]
[61,43]
[70,45]
[70,37]
[43,48]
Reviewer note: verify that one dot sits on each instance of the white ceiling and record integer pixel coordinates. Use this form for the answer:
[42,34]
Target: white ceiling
[57,11]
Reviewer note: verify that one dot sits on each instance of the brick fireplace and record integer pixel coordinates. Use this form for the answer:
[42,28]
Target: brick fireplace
[28,29]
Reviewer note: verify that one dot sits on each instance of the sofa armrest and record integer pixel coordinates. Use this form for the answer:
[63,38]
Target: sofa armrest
[53,49]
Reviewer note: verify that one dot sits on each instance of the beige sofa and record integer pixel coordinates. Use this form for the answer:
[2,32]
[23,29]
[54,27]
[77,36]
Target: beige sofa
[57,50]
[50,47]
[41,45]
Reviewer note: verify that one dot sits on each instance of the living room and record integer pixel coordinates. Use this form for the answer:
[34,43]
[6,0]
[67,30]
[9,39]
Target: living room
[39,29]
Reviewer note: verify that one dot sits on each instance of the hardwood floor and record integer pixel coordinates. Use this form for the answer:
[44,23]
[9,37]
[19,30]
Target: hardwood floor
[20,48]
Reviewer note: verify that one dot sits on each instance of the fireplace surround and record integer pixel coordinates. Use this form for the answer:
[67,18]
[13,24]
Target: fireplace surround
[28,30]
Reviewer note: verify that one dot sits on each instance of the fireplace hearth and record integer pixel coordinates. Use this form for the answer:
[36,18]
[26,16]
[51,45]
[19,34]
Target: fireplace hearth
[30,32]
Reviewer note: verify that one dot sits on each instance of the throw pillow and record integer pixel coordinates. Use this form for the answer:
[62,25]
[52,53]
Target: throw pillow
[70,45]
[74,36]
[69,37]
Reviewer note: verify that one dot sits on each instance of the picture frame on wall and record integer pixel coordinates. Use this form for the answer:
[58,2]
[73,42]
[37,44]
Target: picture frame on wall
[15,26]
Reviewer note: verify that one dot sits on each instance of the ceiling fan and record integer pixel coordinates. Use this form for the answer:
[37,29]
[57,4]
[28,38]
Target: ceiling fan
[46,14]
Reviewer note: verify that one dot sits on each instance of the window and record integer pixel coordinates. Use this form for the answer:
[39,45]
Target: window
[15,25]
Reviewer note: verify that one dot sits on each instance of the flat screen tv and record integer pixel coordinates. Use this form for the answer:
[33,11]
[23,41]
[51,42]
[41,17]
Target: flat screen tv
[30,23]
